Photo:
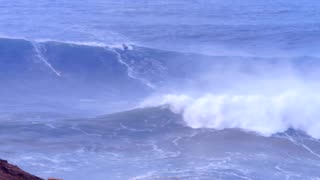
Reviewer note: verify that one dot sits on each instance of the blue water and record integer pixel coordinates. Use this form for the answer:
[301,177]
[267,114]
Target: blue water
[281,25]
[215,89]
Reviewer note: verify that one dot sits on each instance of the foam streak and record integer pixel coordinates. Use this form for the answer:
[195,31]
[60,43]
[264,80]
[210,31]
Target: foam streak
[131,72]
[42,58]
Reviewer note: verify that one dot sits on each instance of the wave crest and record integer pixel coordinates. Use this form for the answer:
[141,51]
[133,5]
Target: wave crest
[264,114]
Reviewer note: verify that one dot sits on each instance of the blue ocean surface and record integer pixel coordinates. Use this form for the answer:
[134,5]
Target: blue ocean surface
[166,89]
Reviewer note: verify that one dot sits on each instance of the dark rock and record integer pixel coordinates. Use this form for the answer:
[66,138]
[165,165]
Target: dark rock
[11,172]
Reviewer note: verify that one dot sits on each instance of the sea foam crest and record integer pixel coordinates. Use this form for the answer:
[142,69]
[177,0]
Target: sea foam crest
[264,114]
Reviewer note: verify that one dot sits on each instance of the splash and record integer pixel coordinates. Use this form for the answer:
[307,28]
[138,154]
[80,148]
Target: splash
[264,114]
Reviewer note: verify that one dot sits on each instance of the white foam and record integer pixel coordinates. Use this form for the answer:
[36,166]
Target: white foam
[307,148]
[130,69]
[263,113]
[42,58]
[115,45]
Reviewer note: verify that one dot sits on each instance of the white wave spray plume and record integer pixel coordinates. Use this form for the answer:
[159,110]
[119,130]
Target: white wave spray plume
[266,105]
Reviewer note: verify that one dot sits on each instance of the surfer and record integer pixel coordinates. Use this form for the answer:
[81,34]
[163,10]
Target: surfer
[125,47]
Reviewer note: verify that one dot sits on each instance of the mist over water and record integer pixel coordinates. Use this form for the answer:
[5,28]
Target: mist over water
[264,95]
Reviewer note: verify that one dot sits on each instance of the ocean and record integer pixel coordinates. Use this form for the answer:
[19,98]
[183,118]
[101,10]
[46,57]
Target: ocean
[144,90]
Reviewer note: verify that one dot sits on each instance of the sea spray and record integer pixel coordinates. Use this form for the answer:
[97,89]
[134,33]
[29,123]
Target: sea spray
[264,114]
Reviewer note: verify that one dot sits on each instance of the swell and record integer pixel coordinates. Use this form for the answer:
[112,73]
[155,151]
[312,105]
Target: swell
[152,67]
[20,54]
[263,94]
[67,75]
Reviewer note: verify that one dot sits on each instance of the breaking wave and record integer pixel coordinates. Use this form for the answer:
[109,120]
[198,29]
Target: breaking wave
[264,114]
[266,95]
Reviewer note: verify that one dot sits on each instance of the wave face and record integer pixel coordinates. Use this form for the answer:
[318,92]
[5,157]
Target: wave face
[64,73]
[262,94]
[68,73]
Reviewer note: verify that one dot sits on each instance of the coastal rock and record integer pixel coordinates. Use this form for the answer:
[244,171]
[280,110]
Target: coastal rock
[11,172]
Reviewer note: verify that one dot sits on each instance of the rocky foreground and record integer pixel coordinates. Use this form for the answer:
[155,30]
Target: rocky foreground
[11,172]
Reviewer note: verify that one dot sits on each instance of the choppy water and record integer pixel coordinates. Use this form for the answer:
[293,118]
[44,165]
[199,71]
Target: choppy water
[154,143]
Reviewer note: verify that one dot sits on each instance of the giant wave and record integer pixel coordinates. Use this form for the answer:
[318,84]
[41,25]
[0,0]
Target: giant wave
[262,94]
